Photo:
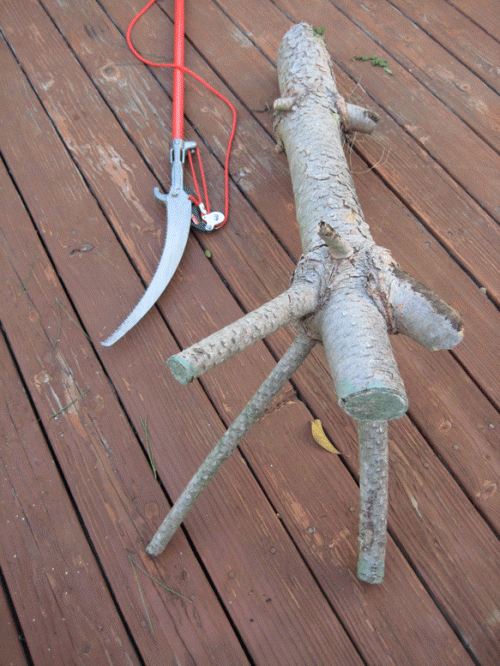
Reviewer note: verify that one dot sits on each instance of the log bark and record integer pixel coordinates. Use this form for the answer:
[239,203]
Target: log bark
[346,291]
[370,295]
[373,499]
[222,345]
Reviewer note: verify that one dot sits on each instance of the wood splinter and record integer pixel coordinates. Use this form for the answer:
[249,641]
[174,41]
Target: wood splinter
[346,291]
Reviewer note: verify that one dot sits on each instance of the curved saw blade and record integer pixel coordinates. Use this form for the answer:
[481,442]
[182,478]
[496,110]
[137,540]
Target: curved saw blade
[178,224]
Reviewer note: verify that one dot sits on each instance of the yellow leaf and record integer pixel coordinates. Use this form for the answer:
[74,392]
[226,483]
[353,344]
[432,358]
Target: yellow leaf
[321,438]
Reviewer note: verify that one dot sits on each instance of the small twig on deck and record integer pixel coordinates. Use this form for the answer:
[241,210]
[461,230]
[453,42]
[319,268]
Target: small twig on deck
[253,410]
[53,416]
[158,582]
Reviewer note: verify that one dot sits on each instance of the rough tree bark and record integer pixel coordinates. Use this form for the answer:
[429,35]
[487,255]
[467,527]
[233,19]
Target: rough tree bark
[346,291]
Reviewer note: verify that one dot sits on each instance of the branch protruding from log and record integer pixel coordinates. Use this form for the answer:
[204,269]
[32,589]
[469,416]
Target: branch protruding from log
[286,366]
[283,104]
[356,118]
[420,314]
[374,492]
[359,119]
[339,247]
[300,300]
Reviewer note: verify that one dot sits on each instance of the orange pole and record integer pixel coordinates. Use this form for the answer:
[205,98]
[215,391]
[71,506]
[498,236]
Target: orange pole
[178,102]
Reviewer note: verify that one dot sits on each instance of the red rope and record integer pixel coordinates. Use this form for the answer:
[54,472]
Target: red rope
[207,85]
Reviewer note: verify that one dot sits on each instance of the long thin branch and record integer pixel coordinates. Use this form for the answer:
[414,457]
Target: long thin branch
[255,407]
[294,303]
[373,482]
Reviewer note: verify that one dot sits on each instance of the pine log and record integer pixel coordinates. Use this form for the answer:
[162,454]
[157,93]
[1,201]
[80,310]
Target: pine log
[369,294]
[346,291]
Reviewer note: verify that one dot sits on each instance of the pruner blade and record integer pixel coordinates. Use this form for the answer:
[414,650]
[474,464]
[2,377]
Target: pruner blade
[178,206]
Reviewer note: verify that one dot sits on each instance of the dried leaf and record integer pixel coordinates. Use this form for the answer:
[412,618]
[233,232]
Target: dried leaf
[321,438]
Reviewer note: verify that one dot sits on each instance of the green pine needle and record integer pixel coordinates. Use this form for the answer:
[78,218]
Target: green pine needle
[53,416]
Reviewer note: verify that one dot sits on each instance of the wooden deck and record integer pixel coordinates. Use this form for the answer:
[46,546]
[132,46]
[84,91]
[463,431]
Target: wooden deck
[263,571]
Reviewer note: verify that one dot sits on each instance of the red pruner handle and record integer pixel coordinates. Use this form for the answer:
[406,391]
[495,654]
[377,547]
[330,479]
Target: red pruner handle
[178,102]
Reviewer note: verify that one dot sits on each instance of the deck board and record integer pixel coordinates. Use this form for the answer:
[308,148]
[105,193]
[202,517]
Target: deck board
[11,649]
[266,560]
[459,35]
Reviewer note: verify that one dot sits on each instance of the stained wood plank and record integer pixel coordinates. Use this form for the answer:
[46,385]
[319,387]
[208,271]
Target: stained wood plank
[226,389]
[289,568]
[11,650]
[436,69]
[462,426]
[98,452]
[482,12]
[459,35]
[309,619]
[65,609]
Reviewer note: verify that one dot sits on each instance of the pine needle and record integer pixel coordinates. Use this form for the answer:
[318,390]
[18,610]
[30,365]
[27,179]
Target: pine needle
[60,306]
[141,594]
[58,334]
[53,416]
[158,582]
[383,160]
[144,423]
[24,283]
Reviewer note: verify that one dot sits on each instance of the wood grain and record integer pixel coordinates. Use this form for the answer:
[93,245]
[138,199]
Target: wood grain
[85,134]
